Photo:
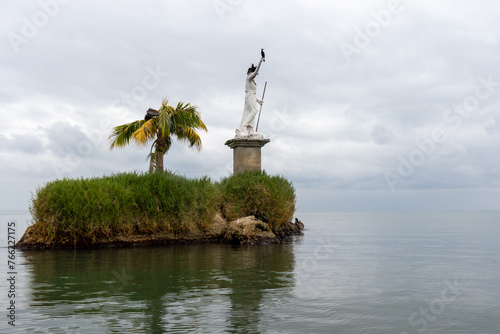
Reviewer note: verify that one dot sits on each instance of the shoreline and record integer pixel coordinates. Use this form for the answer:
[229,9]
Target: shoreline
[243,231]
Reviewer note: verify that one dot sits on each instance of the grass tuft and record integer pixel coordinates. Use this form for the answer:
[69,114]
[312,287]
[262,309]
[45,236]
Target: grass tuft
[272,197]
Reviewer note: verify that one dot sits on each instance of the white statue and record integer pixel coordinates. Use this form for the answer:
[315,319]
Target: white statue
[252,103]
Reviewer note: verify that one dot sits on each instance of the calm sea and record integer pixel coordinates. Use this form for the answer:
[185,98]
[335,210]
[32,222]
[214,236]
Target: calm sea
[350,273]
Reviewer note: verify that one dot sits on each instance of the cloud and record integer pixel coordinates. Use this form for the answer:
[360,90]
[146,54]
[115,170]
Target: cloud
[64,137]
[381,135]
[23,143]
[337,126]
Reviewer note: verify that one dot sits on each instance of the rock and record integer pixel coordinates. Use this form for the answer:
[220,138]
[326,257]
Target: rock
[248,230]
[217,229]
[289,229]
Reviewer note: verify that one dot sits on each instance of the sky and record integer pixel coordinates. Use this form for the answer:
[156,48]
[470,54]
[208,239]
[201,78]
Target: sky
[369,106]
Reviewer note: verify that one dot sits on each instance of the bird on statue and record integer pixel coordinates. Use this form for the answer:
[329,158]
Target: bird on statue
[263,54]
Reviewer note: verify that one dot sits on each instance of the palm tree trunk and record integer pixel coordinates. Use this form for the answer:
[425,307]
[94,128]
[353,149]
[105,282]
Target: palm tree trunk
[159,160]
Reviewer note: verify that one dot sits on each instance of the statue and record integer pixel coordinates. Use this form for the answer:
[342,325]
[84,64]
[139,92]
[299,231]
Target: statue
[251,108]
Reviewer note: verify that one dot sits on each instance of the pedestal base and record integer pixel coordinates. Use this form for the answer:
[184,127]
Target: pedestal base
[246,154]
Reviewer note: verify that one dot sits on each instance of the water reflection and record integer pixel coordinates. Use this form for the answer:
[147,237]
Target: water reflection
[190,288]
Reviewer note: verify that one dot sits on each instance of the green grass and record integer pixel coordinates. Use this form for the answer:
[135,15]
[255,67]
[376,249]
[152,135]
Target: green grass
[272,196]
[89,210]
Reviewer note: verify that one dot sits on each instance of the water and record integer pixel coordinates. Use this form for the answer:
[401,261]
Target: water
[349,273]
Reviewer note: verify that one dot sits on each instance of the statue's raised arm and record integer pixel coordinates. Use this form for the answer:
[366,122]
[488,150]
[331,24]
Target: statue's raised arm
[254,71]
[246,129]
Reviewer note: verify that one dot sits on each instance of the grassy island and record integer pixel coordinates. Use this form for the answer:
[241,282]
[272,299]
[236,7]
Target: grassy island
[152,208]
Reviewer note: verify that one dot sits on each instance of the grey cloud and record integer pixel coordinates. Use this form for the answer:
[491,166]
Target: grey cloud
[493,126]
[381,135]
[64,138]
[22,143]
[334,125]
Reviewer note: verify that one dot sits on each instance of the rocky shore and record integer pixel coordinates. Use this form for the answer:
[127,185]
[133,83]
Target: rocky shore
[246,230]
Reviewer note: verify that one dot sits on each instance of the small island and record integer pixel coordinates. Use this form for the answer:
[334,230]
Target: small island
[137,209]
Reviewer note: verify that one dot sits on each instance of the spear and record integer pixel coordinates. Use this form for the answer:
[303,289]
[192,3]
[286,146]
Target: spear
[258,119]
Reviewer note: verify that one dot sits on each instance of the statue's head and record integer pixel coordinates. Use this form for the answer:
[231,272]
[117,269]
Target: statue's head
[251,69]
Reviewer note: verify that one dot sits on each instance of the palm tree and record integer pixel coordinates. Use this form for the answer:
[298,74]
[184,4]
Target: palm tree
[181,121]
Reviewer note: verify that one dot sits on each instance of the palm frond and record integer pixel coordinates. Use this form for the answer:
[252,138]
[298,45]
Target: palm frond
[189,135]
[146,132]
[164,120]
[187,115]
[120,135]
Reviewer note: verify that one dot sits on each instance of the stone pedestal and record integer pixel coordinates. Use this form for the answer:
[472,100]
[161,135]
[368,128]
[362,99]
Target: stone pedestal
[246,154]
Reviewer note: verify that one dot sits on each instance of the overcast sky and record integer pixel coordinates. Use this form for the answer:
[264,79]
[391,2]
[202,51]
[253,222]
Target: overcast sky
[370,105]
